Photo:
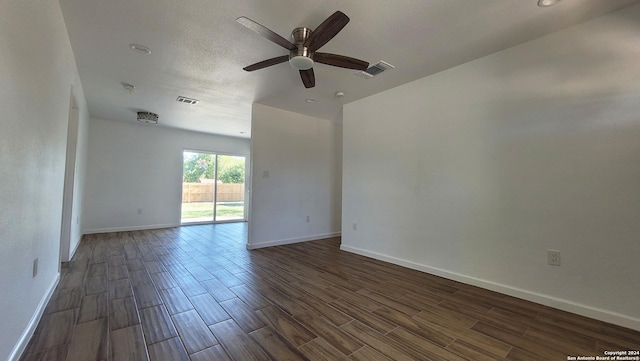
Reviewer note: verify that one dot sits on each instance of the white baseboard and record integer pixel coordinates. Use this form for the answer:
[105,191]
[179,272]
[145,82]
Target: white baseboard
[282,242]
[561,304]
[75,248]
[23,341]
[132,228]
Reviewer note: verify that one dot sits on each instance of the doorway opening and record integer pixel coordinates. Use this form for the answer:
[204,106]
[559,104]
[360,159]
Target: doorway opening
[213,188]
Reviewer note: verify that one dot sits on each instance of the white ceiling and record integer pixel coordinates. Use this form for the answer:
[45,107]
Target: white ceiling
[198,51]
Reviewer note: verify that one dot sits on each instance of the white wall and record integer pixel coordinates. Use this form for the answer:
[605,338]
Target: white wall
[473,173]
[138,166]
[37,73]
[302,155]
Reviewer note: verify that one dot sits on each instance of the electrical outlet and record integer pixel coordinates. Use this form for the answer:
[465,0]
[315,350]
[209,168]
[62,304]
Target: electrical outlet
[139,210]
[355,226]
[35,267]
[553,257]
[308,219]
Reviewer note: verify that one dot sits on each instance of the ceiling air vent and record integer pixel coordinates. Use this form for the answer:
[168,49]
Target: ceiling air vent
[375,70]
[148,117]
[186,100]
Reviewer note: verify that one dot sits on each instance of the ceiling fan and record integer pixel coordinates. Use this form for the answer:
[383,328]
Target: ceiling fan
[303,50]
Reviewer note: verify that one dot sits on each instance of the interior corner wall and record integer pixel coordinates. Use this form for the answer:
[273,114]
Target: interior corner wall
[38,70]
[133,166]
[296,174]
[475,172]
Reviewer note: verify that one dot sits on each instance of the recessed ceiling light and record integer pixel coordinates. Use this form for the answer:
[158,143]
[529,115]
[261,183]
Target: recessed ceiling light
[140,49]
[547,3]
[339,94]
[310,100]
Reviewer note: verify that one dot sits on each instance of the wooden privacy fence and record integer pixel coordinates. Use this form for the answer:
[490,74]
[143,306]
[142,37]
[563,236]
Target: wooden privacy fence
[203,192]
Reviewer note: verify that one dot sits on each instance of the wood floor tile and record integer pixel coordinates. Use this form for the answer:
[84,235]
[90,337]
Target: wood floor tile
[97,269]
[90,341]
[508,338]
[120,288]
[56,330]
[321,350]
[219,291]
[212,353]
[487,342]
[198,286]
[423,346]
[117,272]
[237,343]
[389,302]
[139,277]
[163,280]
[471,352]
[277,347]
[168,350]
[339,339]
[93,307]
[249,297]
[428,333]
[318,292]
[291,306]
[58,353]
[175,300]
[123,313]
[376,322]
[64,299]
[73,279]
[154,267]
[246,318]
[146,295]
[333,315]
[156,324]
[193,332]
[384,345]
[190,286]
[199,273]
[208,309]
[367,353]
[288,327]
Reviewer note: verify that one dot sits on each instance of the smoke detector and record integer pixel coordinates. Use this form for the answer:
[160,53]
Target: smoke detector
[148,117]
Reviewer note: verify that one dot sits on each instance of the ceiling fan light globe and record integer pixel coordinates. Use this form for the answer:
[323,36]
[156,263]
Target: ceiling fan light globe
[301,62]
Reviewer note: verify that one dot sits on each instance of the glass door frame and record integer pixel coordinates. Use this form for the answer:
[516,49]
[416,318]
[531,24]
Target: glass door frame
[215,186]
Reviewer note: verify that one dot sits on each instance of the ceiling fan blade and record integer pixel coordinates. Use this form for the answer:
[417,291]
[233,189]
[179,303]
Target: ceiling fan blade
[341,61]
[266,63]
[308,78]
[266,33]
[326,31]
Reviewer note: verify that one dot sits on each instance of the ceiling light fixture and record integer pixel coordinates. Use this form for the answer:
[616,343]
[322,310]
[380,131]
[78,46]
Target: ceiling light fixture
[310,100]
[547,3]
[140,49]
[339,94]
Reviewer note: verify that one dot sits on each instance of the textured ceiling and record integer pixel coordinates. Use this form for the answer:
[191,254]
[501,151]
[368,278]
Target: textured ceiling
[198,51]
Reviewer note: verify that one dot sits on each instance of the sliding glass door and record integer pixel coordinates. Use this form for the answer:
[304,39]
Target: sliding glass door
[213,187]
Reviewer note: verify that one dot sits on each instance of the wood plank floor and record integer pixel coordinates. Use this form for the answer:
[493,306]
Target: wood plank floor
[195,293]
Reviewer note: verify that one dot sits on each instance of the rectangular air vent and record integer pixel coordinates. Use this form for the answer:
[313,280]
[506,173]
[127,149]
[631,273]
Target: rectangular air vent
[375,70]
[186,100]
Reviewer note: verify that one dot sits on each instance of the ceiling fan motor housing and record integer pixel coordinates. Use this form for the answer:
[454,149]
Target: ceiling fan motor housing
[301,58]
